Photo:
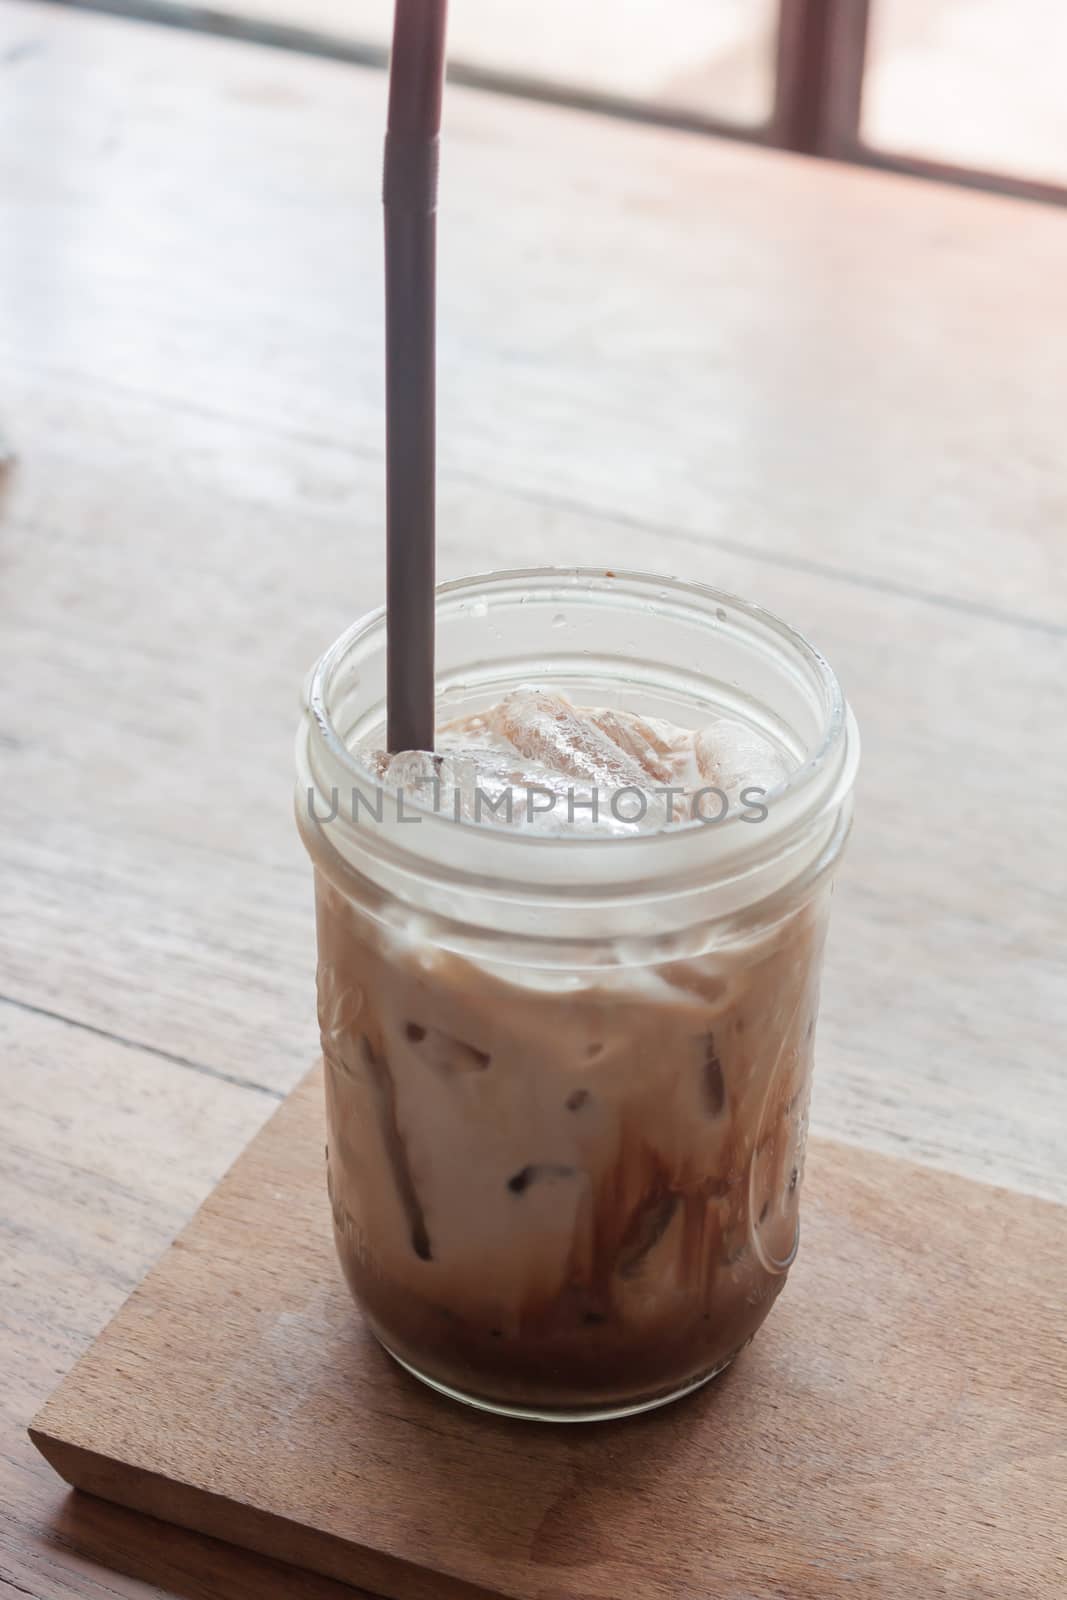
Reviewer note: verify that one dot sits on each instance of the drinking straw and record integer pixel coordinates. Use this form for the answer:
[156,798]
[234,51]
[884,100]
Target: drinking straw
[409,194]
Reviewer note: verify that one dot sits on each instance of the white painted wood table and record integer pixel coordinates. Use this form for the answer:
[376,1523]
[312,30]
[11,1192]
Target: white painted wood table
[839,393]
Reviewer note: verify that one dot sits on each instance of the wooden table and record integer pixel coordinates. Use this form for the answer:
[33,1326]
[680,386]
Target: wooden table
[839,393]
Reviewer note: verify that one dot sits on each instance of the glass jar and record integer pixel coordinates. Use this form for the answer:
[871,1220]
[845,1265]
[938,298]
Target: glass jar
[567,1076]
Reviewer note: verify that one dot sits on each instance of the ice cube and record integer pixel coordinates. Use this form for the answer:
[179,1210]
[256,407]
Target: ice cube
[731,756]
[414,771]
[548,729]
[636,738]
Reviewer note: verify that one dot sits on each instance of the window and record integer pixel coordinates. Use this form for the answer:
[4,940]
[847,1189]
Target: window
[972,83]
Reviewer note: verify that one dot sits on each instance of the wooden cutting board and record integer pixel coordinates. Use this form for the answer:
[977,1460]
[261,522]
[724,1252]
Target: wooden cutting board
[896,1429]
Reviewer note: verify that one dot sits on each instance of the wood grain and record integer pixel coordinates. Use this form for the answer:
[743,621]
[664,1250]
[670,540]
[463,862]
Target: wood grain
[105,1150]
[149,797]
[815,363]
[897,1428]
[172,572]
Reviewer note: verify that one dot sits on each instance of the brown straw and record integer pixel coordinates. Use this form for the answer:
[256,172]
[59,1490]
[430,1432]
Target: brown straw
[416,74]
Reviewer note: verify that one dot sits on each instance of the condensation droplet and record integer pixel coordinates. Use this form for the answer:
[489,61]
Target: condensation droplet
[480,607]
[559,620]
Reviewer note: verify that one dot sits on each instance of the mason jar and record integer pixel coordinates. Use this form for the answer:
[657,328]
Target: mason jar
[567,1076]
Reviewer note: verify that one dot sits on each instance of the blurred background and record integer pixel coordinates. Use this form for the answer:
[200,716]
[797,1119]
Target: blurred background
[971,90]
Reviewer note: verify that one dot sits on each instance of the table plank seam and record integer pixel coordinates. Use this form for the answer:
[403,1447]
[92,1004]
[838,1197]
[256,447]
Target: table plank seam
[610,516]
[774,558]
[613,517]
[218,1073]
[18,1587]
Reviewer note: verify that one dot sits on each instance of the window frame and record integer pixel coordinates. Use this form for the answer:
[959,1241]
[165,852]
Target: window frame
[820,75]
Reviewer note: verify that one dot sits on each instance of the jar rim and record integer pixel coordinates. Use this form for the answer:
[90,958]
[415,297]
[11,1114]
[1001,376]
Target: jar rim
[800,784]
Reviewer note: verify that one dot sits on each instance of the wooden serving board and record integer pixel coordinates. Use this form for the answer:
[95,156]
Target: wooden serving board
[896,1429]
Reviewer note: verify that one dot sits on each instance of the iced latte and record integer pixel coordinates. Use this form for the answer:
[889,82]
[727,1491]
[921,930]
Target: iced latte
[568,982]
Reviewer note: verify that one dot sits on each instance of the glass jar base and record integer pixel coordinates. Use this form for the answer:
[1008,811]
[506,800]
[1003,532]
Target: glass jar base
[596,1413]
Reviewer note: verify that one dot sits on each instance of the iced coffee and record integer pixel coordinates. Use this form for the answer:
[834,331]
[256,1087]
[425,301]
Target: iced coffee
[567,1112]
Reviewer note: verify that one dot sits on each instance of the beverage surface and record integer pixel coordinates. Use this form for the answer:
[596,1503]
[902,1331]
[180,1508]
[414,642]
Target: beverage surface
[535,760]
